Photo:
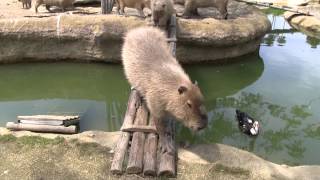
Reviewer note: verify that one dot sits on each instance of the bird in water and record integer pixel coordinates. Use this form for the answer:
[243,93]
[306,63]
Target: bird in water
[247,124]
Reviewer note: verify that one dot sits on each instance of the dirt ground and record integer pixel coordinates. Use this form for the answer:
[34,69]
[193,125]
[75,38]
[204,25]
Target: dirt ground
[32,157]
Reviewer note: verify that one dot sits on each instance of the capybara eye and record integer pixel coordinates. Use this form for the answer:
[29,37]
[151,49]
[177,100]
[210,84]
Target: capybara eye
[163,5]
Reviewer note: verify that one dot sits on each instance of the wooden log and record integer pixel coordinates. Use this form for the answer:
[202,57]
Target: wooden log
[173,34]
[47,117]
[123,142]
[150,153]
[109,6]
[42,128]
[136,151]
[104,6]
[140,128]
[167,162]
[133,104]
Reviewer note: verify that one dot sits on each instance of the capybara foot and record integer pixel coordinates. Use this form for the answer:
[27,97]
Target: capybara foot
[166,144]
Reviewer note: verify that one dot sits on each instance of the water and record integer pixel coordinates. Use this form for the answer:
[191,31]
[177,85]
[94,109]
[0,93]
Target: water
[278,85]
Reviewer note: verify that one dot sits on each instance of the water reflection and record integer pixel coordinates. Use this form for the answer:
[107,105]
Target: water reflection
[314,42]
[284,133]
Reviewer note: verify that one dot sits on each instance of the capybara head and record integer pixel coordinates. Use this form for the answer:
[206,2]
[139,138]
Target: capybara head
[159,7]
[190,109]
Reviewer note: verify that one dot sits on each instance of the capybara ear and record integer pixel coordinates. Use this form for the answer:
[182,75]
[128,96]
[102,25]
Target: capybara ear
[182,89]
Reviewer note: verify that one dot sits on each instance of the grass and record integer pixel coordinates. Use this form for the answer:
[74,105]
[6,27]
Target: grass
[31,140]
[273,11]
[229,170]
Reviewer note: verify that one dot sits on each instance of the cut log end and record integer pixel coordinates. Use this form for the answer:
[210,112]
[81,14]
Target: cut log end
[134,170]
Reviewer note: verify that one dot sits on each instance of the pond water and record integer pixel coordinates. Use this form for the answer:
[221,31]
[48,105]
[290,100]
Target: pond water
[278,85]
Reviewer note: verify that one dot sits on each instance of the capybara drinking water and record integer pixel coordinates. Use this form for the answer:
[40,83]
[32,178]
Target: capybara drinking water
[167,90]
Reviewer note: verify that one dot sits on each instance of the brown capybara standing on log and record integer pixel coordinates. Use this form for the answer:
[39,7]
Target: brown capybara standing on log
[26,3]
[63,4]
[151,69]
[190,7]
[162,11]
[138,4]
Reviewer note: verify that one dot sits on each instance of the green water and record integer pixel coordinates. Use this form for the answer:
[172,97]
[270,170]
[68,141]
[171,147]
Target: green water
[278,85]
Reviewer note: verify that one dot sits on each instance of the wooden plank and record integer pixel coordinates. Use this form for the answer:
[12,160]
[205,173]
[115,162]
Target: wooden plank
[136,151]
[42,128]
[140,128]
[150,152]
[167,162]
[47,117]
[123,142]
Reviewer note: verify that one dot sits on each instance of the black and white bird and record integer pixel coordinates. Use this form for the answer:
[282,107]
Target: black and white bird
[247,124]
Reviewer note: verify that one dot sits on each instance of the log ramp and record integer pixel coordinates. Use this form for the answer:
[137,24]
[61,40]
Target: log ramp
[137,148]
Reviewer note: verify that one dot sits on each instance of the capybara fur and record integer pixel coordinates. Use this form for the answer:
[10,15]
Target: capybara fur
[190,7]
[63,4]
[138,4]
[162,11]
[26,4]
[167,90]
[178,2]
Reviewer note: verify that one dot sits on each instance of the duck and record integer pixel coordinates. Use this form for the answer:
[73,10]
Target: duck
[247,124]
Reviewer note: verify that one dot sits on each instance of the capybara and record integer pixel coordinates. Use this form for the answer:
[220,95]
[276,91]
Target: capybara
[178,2]
[190,7]
[161,12]
[138,4]
[63,4]
[167,90]
[26,3]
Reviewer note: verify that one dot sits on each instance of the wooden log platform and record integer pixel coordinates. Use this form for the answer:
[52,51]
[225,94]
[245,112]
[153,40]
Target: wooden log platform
[143,154]
[42,128]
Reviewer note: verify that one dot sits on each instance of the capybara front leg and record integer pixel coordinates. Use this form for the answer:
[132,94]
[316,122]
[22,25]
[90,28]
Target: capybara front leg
[165,138]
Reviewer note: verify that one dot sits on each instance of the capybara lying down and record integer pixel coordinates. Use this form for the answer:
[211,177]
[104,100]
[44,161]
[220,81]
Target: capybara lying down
[167,90]
[63,4]
[190,7]
[138,4]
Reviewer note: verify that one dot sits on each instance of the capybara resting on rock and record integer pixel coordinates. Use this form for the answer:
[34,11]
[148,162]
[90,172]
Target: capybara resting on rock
[167,90]
[190,7]
[63,4]
[138,4]
[162,11]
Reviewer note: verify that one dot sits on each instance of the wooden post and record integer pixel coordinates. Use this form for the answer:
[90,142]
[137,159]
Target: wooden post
[123,142]
[150,153]
[137,144]
[109,6]
[173,35]
[104,6]
[42,128]
[167,162]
